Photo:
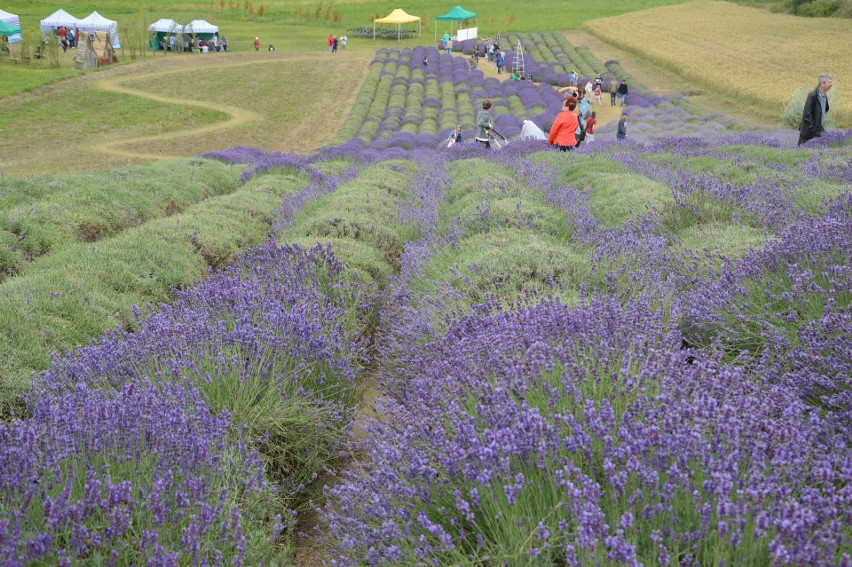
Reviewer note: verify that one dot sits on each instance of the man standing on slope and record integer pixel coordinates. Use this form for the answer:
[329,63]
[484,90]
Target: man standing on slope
[816,107]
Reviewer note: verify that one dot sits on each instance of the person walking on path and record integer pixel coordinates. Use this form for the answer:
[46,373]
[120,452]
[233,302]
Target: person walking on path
[613,90]
[598,94]
[448,45]
[816,107]
[330,43]
[257,44]
[483,124]
[622,126]
[343,40]
[591,123]
[334,45]
[563,131]
[622,91]
[499,60]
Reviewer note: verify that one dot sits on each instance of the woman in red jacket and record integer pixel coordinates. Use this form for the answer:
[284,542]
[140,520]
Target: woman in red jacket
[566,123]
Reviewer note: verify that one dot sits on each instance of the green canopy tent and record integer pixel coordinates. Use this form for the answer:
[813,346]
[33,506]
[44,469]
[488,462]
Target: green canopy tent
[8,29]
[457,14]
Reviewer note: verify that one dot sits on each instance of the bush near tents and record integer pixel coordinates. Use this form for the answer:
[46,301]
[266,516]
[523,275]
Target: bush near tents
[380,34]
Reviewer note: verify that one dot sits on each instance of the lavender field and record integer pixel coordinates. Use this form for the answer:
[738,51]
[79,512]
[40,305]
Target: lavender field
[636,353]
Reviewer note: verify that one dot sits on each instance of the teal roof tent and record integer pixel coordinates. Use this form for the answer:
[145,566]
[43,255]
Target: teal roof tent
[457,14]
[8,29]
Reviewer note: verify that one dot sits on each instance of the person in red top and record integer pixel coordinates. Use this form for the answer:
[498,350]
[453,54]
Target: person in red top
[591,123]
[566,123]
[257,44]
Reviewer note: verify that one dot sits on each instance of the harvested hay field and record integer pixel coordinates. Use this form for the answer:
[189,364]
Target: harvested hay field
[740,51]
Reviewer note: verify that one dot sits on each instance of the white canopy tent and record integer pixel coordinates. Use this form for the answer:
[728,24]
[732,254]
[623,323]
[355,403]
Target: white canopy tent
[165,25]
[200,26]
[160,31]
[14,20]
[95,22]
[57,19]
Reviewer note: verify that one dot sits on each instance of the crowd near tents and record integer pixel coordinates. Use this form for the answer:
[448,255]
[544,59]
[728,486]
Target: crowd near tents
[10,26]
[94,22]
[163,28]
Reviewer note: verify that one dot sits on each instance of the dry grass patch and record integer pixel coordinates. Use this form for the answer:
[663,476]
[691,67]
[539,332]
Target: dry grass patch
[740,51]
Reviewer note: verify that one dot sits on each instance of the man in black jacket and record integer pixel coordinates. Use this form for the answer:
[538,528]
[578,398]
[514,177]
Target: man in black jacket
[816,107]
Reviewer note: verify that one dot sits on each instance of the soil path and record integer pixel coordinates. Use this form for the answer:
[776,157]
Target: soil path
[603,112]
[236,117]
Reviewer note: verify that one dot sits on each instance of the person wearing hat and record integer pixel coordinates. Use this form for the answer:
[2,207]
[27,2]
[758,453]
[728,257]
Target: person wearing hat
[622,126]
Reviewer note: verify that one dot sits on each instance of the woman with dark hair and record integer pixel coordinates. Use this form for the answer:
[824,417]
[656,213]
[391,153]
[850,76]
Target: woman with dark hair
[483,124]
[562,133]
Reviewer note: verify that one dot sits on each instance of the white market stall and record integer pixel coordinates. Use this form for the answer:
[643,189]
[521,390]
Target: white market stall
[14,21]
[95,22]
[201,29]
[160,32]
[59,18]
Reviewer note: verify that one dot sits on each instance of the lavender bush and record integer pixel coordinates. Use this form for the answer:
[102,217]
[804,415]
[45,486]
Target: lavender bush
[542,434]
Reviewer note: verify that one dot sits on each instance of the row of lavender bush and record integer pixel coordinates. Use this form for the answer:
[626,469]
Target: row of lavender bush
[197,438]
[408,104]
[531,432]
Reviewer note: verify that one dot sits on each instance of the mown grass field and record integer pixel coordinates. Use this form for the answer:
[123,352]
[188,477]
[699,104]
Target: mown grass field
[745,52]
[179,107]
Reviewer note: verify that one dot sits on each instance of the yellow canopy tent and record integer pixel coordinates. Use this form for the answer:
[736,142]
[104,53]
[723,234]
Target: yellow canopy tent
[397,17]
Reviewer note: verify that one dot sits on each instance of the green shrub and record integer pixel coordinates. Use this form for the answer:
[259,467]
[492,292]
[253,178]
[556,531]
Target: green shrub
[791,115]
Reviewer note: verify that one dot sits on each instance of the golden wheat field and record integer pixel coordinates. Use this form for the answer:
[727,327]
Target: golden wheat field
[741,51]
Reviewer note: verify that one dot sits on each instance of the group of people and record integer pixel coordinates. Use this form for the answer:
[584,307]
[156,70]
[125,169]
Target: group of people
[576,122]
[335,42]
[187,42]
[594,88]
[66,37]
